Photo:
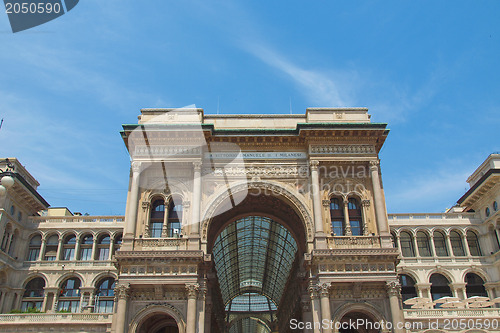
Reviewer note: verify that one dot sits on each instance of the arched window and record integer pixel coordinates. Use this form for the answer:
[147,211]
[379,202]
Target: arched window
[337,215]
[104,296]
[6,238]
[495,205]
[51,248]
[439,287]
[117,243]
[440,244]
[12,243]
[33,294]
[474,285]
[424,248]
[457,244]
[69,297]
[157,218]
[103,247]
[86,247]
[34,248]
[473,242]
[487,211]
[394,240]
[355,218]
[408,289]
[69,247]
[406,244]
[174,217]
[496,240]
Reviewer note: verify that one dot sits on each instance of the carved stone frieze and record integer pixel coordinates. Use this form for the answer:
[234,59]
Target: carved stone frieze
[271,171]
[341,149]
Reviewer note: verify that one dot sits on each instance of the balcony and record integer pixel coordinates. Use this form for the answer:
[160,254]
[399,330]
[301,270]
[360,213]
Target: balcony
[59,318]
[487,313]
[161,244]
[69,264]
[77,219]
[434,219]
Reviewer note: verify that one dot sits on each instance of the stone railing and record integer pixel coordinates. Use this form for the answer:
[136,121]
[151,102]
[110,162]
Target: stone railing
[162,243]
[453,313]
[68,264]
[77,219]
[91,318]
[434,218]
[353,242]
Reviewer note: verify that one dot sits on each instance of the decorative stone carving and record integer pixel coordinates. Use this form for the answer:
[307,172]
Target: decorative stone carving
[270,187]
[197,165]
[374,165]
[393,288]
[365,203]
[342,149]
[122,291]
[192,290]
[136,167]
[314,165]
[324,289]
[258,171]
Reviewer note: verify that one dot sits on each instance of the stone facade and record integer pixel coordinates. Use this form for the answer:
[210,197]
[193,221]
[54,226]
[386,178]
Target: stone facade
[309,184]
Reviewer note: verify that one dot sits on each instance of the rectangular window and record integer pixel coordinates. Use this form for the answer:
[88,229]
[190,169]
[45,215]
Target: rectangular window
[104,306]
[338,228]
[103,253]
[356,228]
[86,254]
[50,258]
[71,306]
[69,254]
[33,254]
[155,229]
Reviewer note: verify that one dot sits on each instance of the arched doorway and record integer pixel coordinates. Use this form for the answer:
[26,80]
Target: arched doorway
[358,322]
[158,323]
[256,249]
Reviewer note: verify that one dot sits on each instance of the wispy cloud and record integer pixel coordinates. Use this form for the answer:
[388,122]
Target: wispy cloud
[318,87]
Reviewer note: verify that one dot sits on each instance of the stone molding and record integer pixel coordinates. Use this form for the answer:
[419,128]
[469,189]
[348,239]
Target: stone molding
[342,149]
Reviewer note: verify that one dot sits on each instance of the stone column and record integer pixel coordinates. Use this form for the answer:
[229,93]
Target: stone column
[458,289]
[393,291]
[382,224]
[433,247]
[192,293]
[423,290]
[77,247]
[133,204]
[325,305]
[364,213]
[347,224]
[415,245]
[7,301]
[466,245]
[164,228]
[315,306]
[111,247]
[94,248]
[448,245]
[122,293]
[59,249]
[196,206]
[42,249]
[316,197]
[201,306]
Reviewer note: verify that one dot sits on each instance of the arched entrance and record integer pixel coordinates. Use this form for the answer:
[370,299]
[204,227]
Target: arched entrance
[257,248]
[358,322]
[158,323]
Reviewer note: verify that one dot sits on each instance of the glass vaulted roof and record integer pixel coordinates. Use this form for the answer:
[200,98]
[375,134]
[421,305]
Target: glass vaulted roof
[253,258]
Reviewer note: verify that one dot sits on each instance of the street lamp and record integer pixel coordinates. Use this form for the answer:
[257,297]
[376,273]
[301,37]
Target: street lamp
[6,179]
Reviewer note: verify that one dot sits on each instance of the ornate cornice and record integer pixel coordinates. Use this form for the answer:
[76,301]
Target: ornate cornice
[342,149]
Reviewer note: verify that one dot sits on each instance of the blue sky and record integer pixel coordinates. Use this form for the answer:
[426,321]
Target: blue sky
[430,69]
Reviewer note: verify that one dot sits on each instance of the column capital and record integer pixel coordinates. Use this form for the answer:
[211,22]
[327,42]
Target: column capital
[197,165]
[393,288]
[374,165]
[136,166]
[192,290]
[324,289]
[122,291]
[314,165]
[313,290]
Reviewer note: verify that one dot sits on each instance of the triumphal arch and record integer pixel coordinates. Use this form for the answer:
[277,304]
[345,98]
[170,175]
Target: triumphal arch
[255,223]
